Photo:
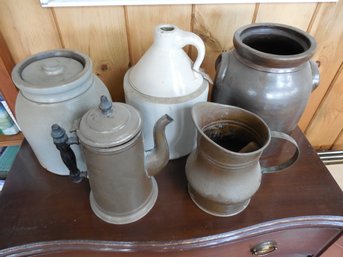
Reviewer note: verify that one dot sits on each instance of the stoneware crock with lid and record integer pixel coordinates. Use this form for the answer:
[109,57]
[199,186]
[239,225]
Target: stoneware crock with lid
[54,86]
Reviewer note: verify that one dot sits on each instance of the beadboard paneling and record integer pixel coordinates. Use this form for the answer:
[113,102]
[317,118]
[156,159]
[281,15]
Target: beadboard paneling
[327,122]
[116,37]
[142,20]
[27,28]
[300,13]
[100,32]
[216,24]
[327,29]
[338,145]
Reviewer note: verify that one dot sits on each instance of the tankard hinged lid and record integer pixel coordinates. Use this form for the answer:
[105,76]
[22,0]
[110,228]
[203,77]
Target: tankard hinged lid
[109,124]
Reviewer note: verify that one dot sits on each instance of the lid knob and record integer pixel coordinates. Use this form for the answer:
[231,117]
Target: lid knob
[105,105]
[52,67]
[109,124]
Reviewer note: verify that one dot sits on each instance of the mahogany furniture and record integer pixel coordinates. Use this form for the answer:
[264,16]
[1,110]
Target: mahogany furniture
[296,212]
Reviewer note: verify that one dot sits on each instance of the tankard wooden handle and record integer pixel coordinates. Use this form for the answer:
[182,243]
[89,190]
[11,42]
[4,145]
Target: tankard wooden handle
[68,157]
[264,248]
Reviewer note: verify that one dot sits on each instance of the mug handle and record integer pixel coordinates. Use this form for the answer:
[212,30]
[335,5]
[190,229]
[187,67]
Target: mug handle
[289,162]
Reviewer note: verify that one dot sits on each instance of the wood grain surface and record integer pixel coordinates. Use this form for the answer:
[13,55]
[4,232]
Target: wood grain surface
[329,116]
[327,29]
[216,24]
[103,39]
[27,28]
[116,38]
[142,20]
[338,145]
[280,13]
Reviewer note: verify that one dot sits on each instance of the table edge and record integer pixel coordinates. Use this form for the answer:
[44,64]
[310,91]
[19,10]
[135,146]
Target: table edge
[315,221]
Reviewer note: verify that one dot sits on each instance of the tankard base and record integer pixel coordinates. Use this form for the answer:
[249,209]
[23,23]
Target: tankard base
[129,217]
[215,208]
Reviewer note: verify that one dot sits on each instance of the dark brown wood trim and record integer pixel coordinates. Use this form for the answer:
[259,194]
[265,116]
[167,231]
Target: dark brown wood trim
[51,247]
[7,87]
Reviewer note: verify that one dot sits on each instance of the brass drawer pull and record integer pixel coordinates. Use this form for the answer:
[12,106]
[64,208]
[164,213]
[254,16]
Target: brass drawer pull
[264,248]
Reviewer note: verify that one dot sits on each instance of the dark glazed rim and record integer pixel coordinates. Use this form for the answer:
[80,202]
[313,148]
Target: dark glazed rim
[273,60]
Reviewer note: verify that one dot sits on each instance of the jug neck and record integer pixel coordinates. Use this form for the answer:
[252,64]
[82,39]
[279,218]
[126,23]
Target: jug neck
[165,70]
[171,37]
[166,36]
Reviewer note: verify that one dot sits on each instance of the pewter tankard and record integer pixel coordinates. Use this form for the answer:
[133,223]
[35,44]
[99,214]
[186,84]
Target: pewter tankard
[120,173]
[224,172]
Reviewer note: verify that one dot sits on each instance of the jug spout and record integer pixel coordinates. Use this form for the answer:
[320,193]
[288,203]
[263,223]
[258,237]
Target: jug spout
[158,157]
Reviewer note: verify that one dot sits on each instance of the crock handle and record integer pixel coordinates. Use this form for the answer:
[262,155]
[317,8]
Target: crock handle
[221,65]
[315,75]
[289,162]
[62,143]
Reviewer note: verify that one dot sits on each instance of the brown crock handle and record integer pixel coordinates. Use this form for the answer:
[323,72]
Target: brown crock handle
[289,162]
[221,65]
[315,74]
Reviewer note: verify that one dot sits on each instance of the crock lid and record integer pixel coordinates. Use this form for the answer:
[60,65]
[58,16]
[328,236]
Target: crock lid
[109,124]
[53,76]
[51,72]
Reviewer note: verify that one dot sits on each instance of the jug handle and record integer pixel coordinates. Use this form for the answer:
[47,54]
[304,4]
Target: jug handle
[62,143]
[315,75]
[222,65]
[289,162]
[189,38]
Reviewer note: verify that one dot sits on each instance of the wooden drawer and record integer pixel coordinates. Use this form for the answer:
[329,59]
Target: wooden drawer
[299,242]
[303,242]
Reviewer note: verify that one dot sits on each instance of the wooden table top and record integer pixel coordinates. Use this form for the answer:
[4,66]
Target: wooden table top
[38,206]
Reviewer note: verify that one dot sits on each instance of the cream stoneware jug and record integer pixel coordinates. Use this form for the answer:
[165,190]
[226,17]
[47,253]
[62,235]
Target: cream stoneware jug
[224,172]
[120,173]
[54,86]
[165,80]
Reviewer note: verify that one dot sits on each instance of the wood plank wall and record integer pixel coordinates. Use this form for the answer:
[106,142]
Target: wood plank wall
[116,37]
